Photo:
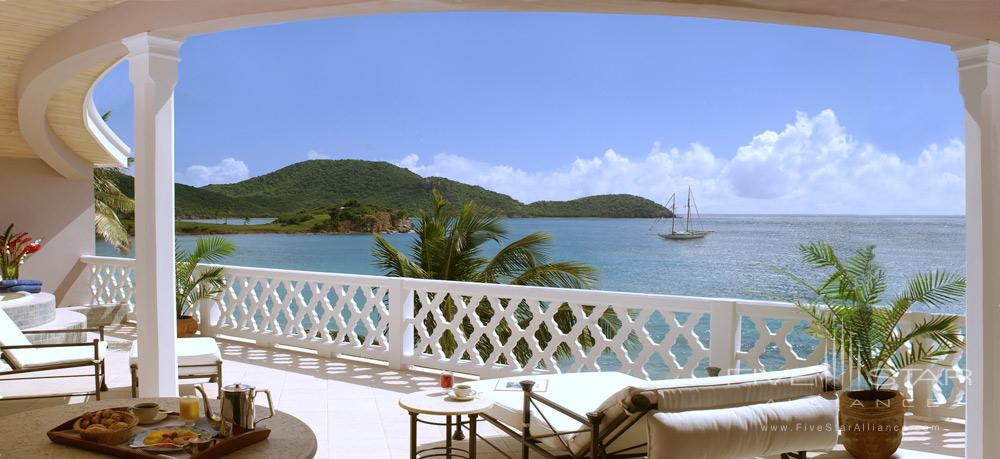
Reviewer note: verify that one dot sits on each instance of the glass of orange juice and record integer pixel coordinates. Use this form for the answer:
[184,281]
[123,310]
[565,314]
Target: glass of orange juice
[189,410]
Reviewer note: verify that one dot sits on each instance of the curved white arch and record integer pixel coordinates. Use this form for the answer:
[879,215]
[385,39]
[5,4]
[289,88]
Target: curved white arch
[98,38]
[100,130]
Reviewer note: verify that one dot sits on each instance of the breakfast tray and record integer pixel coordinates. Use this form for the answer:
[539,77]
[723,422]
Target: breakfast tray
[64,434]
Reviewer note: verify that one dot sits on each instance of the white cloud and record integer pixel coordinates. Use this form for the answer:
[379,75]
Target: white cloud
[810,166]
[313,154]
[228,170]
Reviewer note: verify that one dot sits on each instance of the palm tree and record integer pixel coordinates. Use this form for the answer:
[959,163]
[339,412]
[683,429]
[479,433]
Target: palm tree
[110,204]
[195,285]
[847,312]
[451,247]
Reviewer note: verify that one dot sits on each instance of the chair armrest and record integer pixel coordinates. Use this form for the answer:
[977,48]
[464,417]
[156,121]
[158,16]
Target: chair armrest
[99,329]
[41,346]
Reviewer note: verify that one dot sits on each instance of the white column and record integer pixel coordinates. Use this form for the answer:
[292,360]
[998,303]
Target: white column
[153,71]
[979,74]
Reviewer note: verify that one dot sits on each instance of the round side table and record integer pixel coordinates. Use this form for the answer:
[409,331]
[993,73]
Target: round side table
[438,403]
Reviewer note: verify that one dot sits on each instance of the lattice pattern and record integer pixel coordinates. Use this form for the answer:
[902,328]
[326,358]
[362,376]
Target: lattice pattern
[500,334]
[112,284]
[780,344]
[501,331]
[332,314]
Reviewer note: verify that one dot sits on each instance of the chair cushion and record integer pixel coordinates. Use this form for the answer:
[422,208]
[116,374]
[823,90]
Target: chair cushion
[764,429]
[10,335]
[737,390]
[579,392]
[36,358]
[191,352]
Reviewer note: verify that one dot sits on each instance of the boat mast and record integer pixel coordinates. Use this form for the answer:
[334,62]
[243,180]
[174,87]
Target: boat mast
[673,212]
[687,220]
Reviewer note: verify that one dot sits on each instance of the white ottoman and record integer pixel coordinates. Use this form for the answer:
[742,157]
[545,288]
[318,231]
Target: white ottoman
[196,358]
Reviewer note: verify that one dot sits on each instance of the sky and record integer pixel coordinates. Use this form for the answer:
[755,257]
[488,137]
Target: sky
[756,118]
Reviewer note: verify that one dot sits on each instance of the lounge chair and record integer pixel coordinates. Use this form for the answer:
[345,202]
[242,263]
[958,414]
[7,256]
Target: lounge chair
[197,357]
[25,357]
[600,415]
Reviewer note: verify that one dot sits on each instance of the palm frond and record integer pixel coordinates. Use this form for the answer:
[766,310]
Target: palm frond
[517,257]
[935,288]
[108,227]
[562,274]
[393,262]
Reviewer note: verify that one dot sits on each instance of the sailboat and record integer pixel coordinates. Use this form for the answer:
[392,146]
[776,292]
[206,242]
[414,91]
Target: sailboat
[688,232]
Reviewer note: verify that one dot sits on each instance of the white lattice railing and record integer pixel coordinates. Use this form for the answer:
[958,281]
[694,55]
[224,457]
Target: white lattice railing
[112,281]
[503,330]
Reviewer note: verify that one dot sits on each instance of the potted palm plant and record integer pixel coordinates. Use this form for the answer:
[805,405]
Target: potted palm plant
[848,311]
[195,284]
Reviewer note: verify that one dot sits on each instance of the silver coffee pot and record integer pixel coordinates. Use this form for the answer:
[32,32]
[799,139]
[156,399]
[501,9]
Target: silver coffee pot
[236,408]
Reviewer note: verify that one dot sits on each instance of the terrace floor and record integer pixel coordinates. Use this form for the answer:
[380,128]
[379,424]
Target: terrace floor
[352,405]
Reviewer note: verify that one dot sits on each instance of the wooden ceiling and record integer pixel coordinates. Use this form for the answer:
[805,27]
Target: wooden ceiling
[25,24]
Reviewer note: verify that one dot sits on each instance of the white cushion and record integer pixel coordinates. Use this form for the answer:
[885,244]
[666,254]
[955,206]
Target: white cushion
[579,392]
[195,356]
[737,390]
[10,335]
[24,359]
[763,429]
[35,358]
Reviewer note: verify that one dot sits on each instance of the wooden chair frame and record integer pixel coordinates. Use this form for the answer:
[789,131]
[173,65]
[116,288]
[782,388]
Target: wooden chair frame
[100,372]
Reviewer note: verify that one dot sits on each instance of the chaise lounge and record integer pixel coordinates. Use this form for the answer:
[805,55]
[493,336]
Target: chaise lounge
[25,357]
[613,415]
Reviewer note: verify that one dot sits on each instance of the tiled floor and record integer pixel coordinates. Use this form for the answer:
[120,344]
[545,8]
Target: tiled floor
[352,406]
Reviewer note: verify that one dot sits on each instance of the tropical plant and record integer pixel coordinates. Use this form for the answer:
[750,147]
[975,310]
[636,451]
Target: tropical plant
[110,205]
[847,311]
[451,246]
[14,249]
[195,284]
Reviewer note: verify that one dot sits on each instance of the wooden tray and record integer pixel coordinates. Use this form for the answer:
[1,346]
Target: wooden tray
[64,434]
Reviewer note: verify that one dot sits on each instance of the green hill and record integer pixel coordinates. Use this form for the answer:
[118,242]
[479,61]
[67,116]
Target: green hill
[323,183]
[191,202]
[605,205]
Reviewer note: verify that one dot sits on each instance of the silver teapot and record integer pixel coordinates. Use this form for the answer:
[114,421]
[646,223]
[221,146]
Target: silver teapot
[236,409]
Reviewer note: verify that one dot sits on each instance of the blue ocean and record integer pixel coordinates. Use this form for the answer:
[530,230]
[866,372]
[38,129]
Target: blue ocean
[735,261]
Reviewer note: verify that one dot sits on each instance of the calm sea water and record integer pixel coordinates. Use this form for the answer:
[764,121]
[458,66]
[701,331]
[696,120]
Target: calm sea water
[732,262]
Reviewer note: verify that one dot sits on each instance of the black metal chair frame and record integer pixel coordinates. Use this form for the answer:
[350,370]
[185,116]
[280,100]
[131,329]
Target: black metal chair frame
[100,373]
[601,437]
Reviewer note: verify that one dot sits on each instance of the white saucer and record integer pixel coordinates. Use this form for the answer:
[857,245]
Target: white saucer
[452,395]
[159,417]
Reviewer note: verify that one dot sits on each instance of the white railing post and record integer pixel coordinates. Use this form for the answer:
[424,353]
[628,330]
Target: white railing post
[724,333]
[400,335]
[205,319]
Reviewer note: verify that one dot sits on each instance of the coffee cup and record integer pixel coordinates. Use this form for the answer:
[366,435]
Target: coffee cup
[463,390]
[146,411]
